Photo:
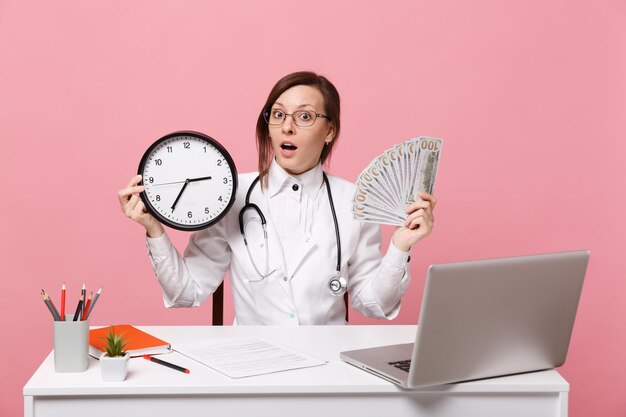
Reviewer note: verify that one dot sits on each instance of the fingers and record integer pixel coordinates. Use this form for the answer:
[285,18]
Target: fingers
[131,188]
[124,193]
[427,203]
[419,222]
[416,223]
[414,230]
[134,208]
[138,211]
[430,198]
[417,213]
[130,202]
[420,217]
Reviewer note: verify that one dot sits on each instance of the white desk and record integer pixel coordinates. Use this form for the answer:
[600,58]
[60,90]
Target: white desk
[335,389]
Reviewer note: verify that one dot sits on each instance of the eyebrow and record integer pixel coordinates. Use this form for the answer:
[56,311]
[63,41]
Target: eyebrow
[299,107]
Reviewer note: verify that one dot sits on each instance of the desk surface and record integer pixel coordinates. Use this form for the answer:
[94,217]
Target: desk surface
[324,342]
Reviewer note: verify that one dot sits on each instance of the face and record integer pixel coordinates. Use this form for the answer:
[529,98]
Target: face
[297,149]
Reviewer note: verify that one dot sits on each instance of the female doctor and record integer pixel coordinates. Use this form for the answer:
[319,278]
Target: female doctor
[289,241]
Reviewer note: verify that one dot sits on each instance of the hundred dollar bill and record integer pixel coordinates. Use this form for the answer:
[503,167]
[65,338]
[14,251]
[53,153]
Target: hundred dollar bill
[427,163]
[394,179]
[367,204]
[376,180]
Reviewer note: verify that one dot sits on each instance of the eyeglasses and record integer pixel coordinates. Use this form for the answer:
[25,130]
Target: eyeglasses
[302,118]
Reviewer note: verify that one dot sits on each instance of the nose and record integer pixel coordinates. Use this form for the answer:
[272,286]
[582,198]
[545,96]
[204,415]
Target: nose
[288,125]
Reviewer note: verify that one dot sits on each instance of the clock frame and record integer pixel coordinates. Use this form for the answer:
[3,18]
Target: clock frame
[173,144]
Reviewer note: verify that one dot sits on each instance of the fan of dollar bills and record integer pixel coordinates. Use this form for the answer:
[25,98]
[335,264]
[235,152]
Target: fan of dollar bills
[394,179]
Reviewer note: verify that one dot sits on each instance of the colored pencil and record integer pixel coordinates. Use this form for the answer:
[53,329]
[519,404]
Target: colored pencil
[86,309]
[93,303]
[79,308]
[83,294]
[50,305]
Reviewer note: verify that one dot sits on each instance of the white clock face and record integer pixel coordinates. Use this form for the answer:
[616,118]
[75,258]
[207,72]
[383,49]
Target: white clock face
[189,180]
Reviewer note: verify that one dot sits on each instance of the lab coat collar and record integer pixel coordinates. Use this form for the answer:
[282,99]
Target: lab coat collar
[310,182]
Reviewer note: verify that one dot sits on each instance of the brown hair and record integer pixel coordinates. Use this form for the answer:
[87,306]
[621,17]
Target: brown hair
[331,109]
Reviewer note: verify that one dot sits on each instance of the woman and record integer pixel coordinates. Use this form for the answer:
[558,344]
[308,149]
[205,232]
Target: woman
[286,276]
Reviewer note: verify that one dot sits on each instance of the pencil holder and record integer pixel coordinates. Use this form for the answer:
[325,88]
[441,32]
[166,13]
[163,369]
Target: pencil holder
[71,345]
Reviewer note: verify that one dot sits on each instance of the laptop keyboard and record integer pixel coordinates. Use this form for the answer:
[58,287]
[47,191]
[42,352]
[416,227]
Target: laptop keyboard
[404,365]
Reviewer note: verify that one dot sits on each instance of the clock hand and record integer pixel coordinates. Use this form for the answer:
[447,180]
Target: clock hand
[168,183]
[187,181]
[180,193]
[180,182]
[199,179]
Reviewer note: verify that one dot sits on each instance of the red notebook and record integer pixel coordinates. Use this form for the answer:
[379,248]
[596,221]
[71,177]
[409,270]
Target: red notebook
[137,342]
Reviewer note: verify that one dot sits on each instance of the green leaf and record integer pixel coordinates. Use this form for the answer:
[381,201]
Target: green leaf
[115,344]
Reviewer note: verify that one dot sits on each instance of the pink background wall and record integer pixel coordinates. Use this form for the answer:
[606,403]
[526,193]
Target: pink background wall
[529,96]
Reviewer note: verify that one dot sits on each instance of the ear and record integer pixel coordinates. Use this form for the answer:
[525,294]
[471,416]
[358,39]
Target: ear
[330,134]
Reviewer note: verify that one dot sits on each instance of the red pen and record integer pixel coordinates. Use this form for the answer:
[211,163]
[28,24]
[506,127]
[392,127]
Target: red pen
[169,365]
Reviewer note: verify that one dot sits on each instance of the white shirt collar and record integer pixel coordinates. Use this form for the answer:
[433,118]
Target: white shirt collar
[308,182]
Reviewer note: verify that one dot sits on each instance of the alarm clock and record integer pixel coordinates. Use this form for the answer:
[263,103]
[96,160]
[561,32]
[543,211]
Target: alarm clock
[189,180]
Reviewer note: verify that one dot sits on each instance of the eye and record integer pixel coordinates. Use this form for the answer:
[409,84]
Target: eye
[278,114]
[305,116]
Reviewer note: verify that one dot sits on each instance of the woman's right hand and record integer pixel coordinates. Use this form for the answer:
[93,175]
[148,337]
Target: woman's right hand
[134,209]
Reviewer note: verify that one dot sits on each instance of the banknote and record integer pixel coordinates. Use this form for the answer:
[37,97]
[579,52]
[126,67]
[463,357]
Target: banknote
[394,179]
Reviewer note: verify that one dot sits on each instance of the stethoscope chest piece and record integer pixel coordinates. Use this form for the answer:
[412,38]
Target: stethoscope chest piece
[337,285]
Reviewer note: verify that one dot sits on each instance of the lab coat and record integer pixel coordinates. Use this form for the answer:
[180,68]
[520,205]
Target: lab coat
[296,291]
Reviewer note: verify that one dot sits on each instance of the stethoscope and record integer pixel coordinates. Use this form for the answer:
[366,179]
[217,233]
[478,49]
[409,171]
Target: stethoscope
[337,285]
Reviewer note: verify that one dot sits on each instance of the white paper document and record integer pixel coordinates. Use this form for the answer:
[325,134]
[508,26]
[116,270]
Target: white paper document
[243,356]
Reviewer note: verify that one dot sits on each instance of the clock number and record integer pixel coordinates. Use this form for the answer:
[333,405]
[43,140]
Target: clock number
[151,180]
[206,210]
[219,162]
[219,198]
[169,149]
[158,197]
[225,180]
[159,162]
[187,145]
[205,149]
[189,214]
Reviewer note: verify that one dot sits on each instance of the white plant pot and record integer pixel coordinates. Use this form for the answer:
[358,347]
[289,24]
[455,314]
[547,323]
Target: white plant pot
[114,369]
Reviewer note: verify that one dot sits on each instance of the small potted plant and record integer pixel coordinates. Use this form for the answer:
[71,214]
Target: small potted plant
[114,361]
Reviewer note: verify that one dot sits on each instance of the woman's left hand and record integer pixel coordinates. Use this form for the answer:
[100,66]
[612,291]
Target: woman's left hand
[418,224]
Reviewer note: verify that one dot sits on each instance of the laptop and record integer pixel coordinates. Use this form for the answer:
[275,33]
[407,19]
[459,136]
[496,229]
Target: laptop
[486,318]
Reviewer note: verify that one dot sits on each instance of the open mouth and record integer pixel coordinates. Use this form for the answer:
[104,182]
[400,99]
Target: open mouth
[288,146]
